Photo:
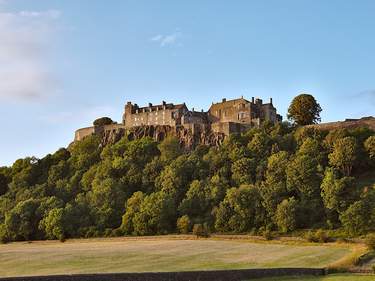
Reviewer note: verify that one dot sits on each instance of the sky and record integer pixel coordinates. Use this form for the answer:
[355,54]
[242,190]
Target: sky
[63,63]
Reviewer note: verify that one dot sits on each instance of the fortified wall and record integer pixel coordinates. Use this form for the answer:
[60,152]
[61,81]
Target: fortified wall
[189,126]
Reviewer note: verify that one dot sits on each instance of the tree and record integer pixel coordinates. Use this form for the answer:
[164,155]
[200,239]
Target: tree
[343,155]
[133,206]
[286,215]
[170,149]
[336,192]
[23,220]
[274,188]
[103,121]
[243,171]
[304,110]
[370,147]
[240,211]
[354,218]
[156,215]
[54,224]
[184,224]
[303,177]
[197,202]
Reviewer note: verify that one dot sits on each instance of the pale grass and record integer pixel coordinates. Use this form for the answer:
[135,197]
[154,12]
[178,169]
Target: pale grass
[164,253]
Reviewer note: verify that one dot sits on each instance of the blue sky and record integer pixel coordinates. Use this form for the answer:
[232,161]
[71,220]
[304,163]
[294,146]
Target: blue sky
[65,62]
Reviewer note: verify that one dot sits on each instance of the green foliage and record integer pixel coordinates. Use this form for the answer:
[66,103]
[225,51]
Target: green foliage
[354,218]
[240,210]
[275,176]
[343,155]
[337,193]
[370,147]
[370,241]
[54,224]
[4,236]
[103,121]
[184,224]
[170,149]
[201,230]
[286,215]
[156,215]
[304,110]
[133,206]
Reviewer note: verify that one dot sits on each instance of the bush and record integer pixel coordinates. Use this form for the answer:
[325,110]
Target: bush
[370,241]
[321,236]
[183,224]
[4,237]
[103,121]
[201,230]
[310,236]
[267,234]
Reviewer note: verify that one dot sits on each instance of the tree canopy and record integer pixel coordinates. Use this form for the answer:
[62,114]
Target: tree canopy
[304,110]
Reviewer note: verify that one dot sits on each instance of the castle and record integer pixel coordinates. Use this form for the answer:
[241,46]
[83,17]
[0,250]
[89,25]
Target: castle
[226,117]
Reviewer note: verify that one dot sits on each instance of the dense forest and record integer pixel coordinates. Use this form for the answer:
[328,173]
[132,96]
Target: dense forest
[283,178]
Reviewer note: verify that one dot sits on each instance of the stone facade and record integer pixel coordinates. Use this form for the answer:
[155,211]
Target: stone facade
[153,115]
[192,127]
[235,116]
[232,116]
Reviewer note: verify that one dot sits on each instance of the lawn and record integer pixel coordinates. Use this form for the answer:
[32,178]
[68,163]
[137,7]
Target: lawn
[333,277]
[157,254]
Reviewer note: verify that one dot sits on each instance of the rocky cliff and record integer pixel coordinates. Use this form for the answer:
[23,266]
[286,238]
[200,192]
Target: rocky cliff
[188,138]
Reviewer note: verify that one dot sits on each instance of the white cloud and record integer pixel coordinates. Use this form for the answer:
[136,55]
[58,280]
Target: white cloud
[25,39]
[165,40]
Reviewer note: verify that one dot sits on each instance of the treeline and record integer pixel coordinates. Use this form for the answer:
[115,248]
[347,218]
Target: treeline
[274,178]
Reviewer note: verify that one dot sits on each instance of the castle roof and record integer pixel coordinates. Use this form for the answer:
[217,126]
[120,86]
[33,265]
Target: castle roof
[162,106]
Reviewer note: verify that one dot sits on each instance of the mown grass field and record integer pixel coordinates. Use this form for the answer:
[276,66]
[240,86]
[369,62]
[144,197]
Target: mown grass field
[333,277]
[158,254]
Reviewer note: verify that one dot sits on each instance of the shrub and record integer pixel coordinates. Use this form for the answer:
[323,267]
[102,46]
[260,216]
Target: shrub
[4,237]
[286,215]
[318,236]
[267,234]
[183,224]
[321,236]
[310,236]
[201,230]
[103,121]
[370,241]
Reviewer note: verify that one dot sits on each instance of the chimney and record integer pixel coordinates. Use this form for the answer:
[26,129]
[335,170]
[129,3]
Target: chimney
[149,104]
[192,109]
[224,100]
[252,99]
[163,102]
[129,103]
[202,111]
[270,100]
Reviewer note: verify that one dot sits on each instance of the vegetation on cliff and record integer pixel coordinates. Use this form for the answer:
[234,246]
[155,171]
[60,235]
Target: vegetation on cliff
[277,177]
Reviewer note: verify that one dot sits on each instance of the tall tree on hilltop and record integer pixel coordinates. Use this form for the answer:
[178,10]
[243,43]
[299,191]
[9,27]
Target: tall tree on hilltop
[304,110]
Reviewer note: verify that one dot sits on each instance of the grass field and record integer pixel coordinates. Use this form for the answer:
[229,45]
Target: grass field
[157,254]
[333,277]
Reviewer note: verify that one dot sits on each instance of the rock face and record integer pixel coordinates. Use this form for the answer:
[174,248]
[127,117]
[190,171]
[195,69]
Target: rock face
[188,138]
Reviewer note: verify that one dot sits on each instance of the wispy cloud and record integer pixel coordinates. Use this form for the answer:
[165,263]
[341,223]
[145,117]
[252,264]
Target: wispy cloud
[25,41]
[165,40]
